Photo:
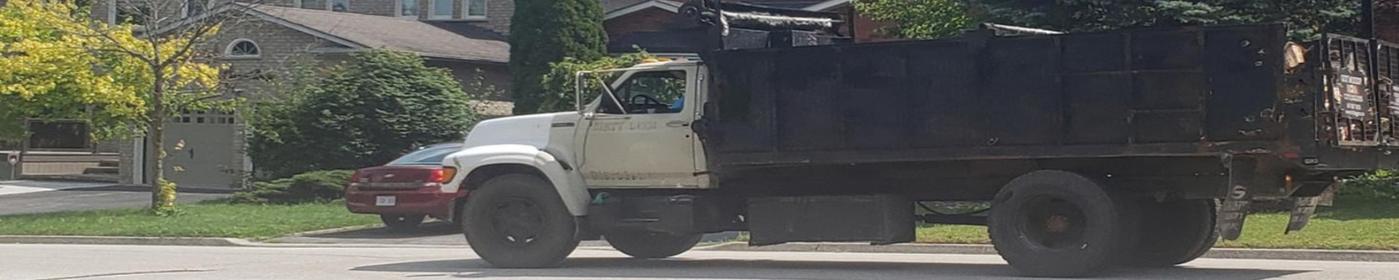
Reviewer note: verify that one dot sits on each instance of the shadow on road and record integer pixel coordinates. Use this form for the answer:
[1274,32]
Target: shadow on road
[434,233]
[681,268]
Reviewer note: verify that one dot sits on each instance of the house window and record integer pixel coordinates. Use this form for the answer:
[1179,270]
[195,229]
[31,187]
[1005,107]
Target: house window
[339,5]
[126,11]
[196,7]
[407,8]
[440,9]
[473,9]
[242,48]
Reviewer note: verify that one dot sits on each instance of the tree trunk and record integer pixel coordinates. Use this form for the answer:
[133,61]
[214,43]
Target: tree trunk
[162,191]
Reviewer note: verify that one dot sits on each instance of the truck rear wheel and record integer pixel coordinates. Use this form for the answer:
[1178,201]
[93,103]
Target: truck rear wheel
[1174,232]
[651,245]
[519,221]
[1055,224]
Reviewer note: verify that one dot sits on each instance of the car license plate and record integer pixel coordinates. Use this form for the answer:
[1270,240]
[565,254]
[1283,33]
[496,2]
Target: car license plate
[385,200]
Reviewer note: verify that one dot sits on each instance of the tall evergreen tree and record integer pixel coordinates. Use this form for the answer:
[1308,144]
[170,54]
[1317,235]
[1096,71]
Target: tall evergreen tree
[547,31]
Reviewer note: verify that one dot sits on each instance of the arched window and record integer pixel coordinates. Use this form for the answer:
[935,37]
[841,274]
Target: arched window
[242,48]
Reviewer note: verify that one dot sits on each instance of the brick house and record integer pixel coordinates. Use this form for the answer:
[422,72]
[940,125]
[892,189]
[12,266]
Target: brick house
[464,36]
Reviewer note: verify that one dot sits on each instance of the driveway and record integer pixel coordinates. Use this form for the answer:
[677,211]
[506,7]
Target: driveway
[31,197]
[27,186]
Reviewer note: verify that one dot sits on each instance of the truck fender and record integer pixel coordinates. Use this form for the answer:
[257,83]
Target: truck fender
[567,182]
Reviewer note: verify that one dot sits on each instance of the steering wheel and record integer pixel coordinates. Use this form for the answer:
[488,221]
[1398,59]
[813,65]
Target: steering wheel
[645,100]
[642,104]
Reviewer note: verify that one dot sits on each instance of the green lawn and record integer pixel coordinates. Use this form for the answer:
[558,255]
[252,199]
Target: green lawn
[1354,224]
[209,219]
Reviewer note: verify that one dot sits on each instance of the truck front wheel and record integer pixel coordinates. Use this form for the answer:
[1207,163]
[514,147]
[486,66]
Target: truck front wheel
[519,221]
[1174,232]
[651,245]
[1055,224]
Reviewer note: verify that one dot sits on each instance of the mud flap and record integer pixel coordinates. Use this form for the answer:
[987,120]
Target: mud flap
[1232,212]
[1302,209]
[1234,208]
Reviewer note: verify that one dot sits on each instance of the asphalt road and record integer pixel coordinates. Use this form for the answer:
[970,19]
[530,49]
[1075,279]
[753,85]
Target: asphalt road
[173,262]
[28,197]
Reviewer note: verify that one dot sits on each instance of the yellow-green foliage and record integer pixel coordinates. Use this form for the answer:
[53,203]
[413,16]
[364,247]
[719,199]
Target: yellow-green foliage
[55,63]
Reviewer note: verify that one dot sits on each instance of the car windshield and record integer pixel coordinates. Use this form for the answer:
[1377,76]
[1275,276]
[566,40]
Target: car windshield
[430,156]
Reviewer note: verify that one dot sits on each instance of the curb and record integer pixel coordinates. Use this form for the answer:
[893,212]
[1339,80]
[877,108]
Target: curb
[206,241]
[1302,254]
[329,231]
[124,240]
[1217,253]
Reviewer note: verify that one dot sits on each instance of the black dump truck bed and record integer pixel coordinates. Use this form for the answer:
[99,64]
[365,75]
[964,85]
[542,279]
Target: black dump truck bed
[1192,91]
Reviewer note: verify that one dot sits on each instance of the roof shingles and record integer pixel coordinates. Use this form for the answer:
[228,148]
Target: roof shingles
[462,42]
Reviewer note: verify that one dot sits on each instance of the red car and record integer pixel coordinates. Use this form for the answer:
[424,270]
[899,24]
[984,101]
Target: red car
[406,190]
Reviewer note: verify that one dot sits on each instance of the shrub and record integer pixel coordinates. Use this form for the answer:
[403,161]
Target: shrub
[315,186]
[1381,184]
[365,112]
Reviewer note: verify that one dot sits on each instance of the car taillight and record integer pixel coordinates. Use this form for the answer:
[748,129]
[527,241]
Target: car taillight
[442,175]
[354,179]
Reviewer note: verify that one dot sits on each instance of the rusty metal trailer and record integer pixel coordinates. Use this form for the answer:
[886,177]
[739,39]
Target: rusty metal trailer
[1186,111]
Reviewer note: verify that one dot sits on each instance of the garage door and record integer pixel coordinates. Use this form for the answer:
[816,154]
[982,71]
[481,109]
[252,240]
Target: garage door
[201,151]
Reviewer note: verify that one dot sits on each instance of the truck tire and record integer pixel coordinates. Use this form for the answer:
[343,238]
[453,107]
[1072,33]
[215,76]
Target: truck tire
[651,245]
[519,221]
[402,222]
[1053,223]
[1174,232]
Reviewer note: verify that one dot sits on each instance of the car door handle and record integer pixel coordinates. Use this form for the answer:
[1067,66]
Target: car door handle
[677,124]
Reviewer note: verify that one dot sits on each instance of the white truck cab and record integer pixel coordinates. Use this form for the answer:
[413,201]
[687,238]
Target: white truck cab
[649,144]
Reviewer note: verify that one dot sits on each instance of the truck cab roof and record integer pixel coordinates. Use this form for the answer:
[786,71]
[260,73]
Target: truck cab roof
[668,61]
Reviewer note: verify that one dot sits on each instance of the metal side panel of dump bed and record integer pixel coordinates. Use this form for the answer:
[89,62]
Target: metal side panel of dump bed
[1192,91]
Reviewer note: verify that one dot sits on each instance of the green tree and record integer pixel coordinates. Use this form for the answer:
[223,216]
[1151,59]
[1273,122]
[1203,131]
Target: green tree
[560,82]
[57,62]
[547,31]
[365,112]
[917,19]
[1305,19]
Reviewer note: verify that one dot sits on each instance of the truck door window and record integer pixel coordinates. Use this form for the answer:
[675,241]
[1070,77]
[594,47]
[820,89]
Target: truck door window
[659,92]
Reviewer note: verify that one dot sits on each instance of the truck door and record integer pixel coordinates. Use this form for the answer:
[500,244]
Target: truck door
[643,137]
